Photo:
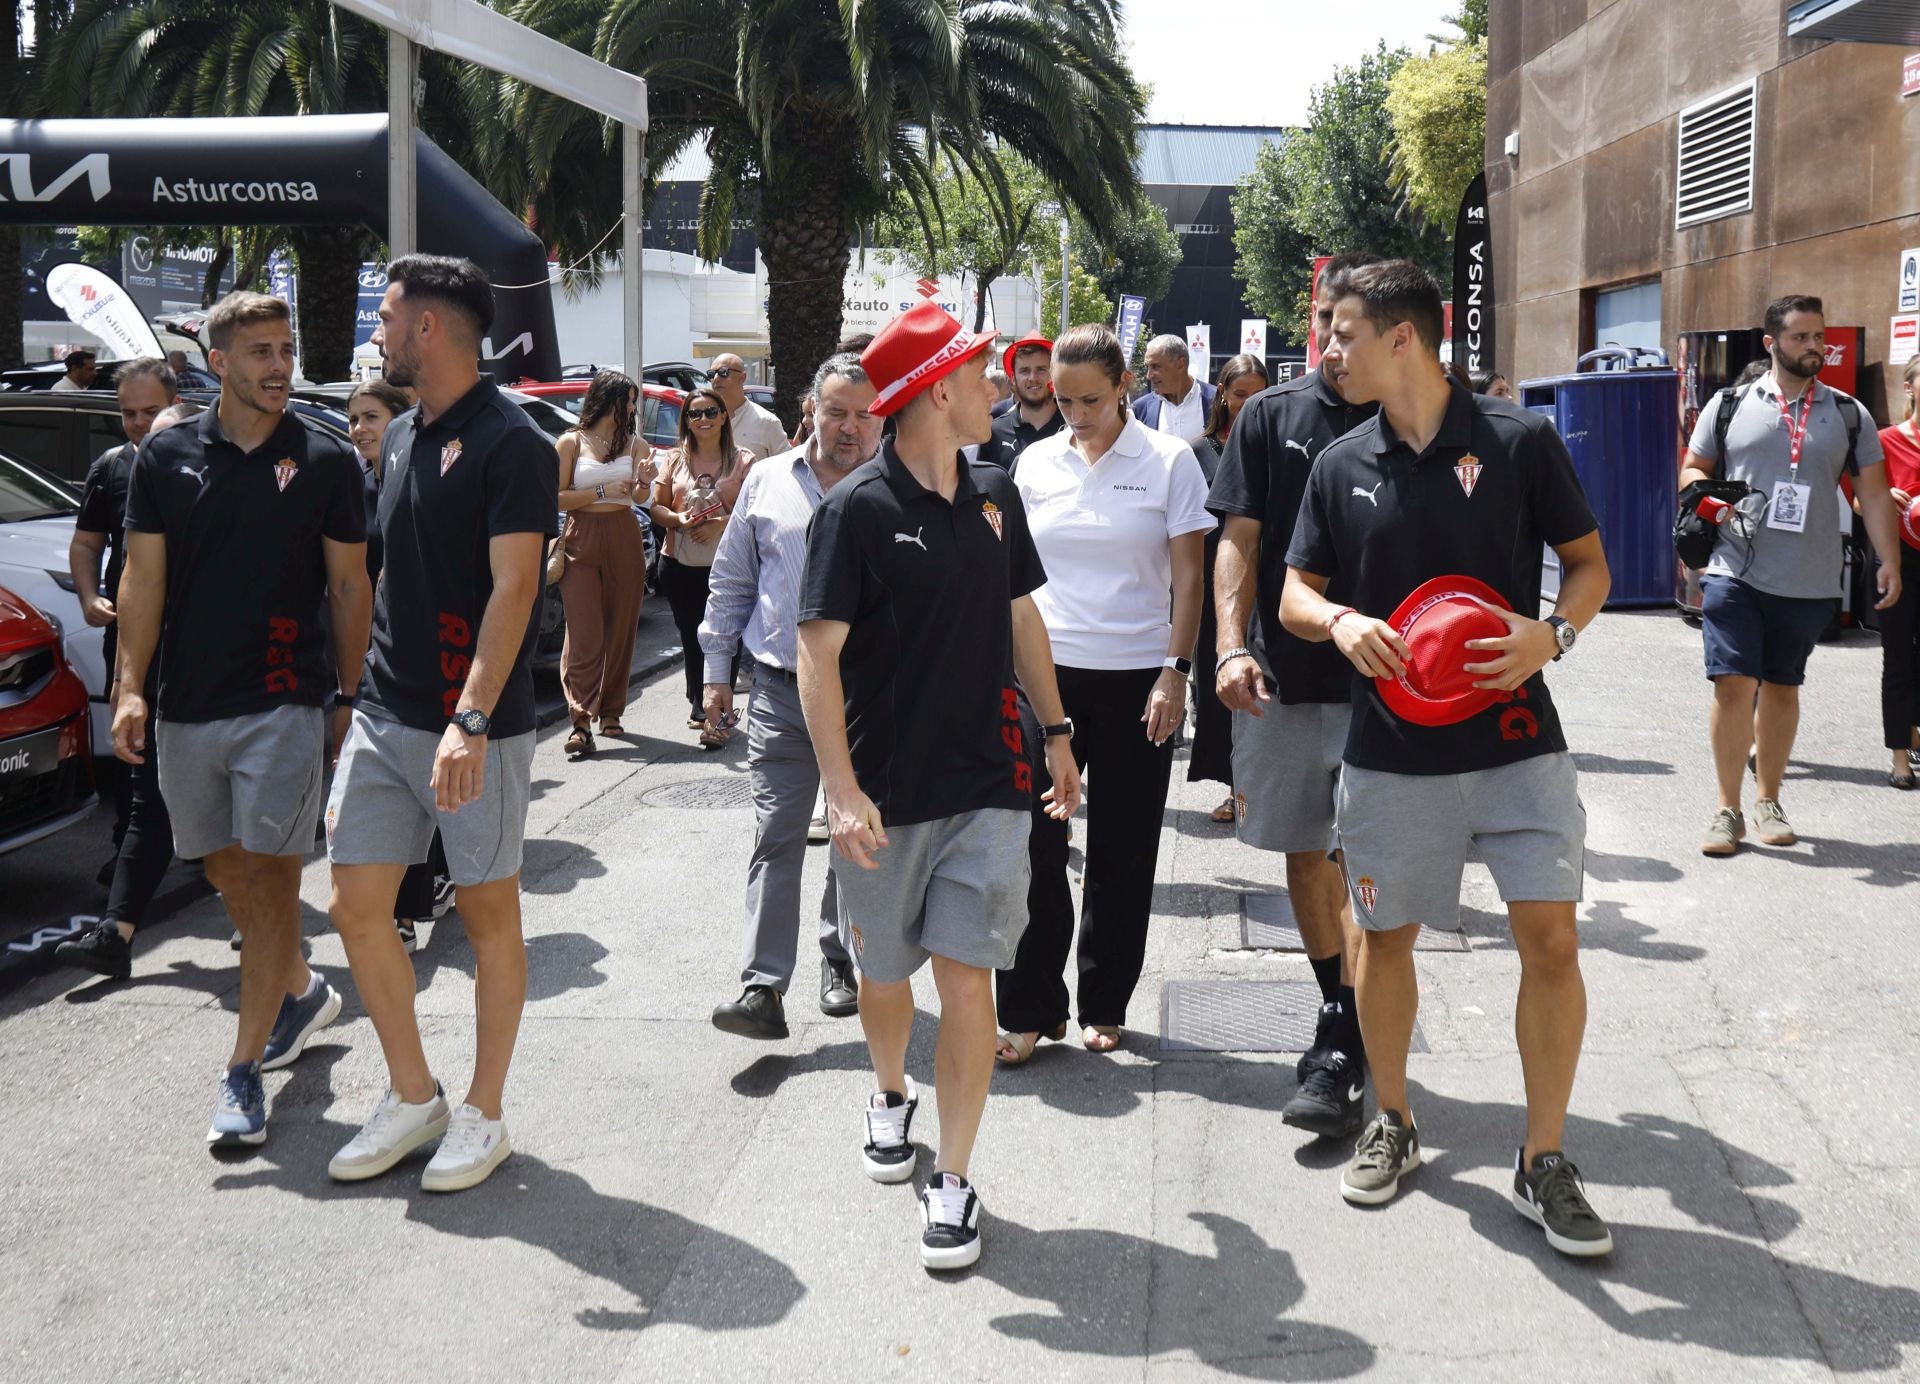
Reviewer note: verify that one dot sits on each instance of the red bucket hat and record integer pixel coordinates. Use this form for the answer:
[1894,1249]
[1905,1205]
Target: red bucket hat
[1027,342]
[1910,524]
[1436,621]
[920,346]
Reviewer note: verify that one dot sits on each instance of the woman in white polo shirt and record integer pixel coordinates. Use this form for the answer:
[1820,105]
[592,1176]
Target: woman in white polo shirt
[1118,513]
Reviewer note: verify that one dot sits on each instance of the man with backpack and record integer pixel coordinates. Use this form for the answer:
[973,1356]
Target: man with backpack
[1773,578]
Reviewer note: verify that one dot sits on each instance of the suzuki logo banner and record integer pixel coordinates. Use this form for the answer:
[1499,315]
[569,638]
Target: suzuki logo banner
[1473,281]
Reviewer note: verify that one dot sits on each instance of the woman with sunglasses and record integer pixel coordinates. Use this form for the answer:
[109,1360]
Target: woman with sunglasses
[698,484]
[603,466]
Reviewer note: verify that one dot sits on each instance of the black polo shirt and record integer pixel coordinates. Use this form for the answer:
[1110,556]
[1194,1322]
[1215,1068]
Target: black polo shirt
[1494,485]
[1013,434]
[370,499]
[927,587]
[1262,475]
[103,508]
[479,470]
[246,573]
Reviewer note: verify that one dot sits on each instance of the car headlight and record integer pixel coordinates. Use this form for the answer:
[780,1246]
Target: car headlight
[63,580]
[59,630]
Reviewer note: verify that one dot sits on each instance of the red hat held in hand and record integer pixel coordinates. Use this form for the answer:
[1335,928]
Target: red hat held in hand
[1910,523]
[1436,622]
[921,345]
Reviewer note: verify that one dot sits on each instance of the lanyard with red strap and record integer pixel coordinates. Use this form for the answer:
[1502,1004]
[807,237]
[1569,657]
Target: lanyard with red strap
[1797,429]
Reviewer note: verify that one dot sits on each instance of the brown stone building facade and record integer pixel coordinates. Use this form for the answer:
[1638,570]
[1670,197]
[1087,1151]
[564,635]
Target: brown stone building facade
[1589,94]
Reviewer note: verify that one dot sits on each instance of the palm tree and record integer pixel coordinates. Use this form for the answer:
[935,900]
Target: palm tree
[813,112]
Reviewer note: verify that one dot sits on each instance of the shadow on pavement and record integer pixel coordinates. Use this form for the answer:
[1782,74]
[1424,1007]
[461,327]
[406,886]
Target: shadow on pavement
[552,866]
[1605,927]
[1588,763]
[1892,866]
[1227,1309]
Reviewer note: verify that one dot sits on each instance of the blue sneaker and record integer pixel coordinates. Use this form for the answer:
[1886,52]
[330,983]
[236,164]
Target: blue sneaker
[240,1114]
[299,1020]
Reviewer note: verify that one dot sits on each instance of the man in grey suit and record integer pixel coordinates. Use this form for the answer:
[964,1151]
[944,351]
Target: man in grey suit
[754,598]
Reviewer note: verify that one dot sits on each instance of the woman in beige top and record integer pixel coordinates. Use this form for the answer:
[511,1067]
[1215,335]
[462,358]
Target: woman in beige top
[603,467]
[698,484]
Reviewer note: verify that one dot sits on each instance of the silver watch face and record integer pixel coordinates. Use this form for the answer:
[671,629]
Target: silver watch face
[1565,633]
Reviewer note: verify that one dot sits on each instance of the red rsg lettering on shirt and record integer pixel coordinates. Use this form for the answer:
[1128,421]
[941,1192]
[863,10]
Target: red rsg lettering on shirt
[1014,740]
[282,634]
[455,635]
[1516,722]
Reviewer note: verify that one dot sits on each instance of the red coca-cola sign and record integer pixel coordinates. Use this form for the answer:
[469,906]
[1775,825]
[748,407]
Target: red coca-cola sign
[1842,370]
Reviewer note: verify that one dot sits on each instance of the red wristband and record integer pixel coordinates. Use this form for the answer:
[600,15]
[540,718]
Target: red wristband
[1337,617]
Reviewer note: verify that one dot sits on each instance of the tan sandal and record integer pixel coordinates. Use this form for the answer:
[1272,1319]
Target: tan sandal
[580,743]
[1224,812]
[1014,1048]
[1100,1037]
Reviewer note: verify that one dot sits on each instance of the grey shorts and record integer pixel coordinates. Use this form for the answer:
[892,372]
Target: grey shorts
[255,780]
[382,810]
[955,887]
[1286,767]
[1406,837]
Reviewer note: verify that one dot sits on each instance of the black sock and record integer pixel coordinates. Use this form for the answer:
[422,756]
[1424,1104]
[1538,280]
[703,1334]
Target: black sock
[1326,970]
[1350,1015]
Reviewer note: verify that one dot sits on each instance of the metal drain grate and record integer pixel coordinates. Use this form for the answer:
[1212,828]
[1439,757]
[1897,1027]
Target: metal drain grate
[1267,924]
[1243,1016]
[705,794]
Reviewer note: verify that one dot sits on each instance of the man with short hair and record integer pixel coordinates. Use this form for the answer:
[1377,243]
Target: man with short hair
[443,736]
[1772,584]
[755,602]
[757,429]
[1002,388]
[1292,701]
[81,369]
[238,525]
[177,361]
[1443,501]
[1175,402]
[916,612]
[142,831]
[1034,415]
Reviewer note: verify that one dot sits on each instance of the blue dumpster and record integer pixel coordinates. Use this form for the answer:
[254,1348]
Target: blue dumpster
[1618,425]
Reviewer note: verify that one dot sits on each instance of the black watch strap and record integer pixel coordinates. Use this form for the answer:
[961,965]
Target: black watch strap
[1064,728]
[346,699]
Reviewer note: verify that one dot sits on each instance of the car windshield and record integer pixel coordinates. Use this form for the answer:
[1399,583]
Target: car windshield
[549,419]
[29,493]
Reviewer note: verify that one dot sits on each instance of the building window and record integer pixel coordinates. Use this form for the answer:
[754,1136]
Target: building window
[1715,176]
[1628,316]
[1197,228]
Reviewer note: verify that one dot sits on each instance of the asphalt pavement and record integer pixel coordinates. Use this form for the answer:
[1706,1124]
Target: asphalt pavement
[686,1205]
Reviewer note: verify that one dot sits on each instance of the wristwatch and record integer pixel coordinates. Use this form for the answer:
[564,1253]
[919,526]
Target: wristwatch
[1064,728]
[474,722]
[1564,634]
[346,700]
[1182,666]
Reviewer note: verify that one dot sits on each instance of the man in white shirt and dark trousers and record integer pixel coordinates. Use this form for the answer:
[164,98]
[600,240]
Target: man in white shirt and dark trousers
[1773,582]
[754,600]
[1176,402]
[755,428]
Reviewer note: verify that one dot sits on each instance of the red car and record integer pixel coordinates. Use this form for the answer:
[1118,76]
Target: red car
[46,776]
[659,406]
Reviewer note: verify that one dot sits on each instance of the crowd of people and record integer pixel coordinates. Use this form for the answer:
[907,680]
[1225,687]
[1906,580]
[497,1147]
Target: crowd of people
[956,591]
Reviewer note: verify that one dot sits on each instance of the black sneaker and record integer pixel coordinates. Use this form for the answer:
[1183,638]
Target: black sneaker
[889,1152]
[758,1013]
[950,1223]
[1326,1039]
[442,895]
[1551,1195]
[409,934]
[99,949]
[1332,1099]
[1388,1150]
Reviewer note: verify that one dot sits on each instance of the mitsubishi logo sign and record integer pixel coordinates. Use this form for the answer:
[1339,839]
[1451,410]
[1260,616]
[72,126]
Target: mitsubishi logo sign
[18,185]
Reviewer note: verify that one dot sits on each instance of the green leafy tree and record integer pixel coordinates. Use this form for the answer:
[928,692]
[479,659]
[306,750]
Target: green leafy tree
[824,108]
[1085,303]
[1137,256]
[979,227]
[1438,106]
[1324,191]
[1471,21]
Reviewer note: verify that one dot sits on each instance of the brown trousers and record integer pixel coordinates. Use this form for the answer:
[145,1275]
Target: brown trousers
[606,578]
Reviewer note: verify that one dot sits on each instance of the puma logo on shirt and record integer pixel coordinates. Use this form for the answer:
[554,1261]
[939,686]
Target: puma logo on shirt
[1370,496]
[913,538]
[1299,447]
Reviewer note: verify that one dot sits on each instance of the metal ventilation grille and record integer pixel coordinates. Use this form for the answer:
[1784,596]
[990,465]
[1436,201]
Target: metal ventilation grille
[1716,157]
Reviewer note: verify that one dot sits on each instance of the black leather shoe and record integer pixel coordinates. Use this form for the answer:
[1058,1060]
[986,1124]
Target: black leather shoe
[758,1013]
[839,991]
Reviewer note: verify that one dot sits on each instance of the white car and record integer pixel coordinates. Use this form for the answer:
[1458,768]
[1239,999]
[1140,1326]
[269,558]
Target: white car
[36,529]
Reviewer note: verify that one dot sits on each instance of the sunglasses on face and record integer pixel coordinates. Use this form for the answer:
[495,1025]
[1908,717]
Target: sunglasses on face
[724,372]
[701,415]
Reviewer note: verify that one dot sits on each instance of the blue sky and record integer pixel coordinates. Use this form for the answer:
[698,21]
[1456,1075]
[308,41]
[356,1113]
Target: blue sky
[1252,62]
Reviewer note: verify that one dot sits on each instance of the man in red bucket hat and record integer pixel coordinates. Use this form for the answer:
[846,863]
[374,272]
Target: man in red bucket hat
[1433,514]
[915,615]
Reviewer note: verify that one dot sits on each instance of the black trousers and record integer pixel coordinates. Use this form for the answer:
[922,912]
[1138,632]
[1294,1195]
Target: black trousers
[686,591]
[142,837]
[1124,818]
[1900,656]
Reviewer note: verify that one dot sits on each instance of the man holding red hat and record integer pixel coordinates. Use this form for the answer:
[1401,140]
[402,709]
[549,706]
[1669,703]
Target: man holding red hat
[915,615]
[1029,365]
[1433,514]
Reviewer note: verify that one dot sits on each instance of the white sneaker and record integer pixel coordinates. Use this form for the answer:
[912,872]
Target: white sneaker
[473,1148]
[394,1130]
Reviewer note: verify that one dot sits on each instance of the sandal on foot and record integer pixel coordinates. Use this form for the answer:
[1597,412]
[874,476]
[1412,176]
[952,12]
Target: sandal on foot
[580,743]
[1014,1048]
[1904,782]
[612,728]
[1224,812]
[696,722]
[711,739]
[1101,1037]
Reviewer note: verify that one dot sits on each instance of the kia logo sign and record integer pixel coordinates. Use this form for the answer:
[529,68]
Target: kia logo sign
[19,185]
